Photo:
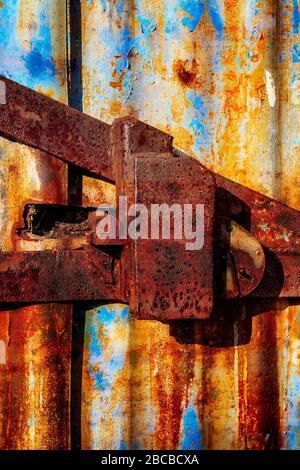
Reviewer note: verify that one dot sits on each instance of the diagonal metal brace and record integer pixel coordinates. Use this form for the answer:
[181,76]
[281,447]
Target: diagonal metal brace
[61,276]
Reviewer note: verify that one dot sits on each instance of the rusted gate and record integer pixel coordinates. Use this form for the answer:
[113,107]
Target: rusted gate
[222,78]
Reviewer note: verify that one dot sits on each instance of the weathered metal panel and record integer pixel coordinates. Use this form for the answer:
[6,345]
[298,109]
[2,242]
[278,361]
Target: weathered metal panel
[222,78]
[106,395]
[35,373]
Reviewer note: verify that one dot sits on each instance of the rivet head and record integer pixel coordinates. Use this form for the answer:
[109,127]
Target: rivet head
[258,252]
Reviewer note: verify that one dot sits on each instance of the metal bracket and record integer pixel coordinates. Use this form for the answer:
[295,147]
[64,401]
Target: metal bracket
[251,242]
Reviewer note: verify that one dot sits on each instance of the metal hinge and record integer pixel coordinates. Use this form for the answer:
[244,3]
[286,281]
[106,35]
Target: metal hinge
[251,243]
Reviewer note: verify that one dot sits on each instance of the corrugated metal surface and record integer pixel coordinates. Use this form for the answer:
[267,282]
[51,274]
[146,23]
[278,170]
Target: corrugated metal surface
[223,78]
[35,379]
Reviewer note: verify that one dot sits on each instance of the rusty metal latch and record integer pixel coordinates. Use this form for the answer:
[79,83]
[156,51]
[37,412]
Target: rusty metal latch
[251,244]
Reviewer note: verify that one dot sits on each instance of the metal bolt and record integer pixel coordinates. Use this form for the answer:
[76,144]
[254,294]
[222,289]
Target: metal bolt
[245,274]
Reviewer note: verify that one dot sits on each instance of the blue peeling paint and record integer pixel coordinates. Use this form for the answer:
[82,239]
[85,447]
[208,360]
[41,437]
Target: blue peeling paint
[119,44]
[147,25]
[171,18]
[104,5]
[293,429]
[296,140]
[216,17]
[296,17]
[104,364]
[100,381]
[124,46]
[39,61]
[194,10]
[191,435]
[296,53]
[38,64]
[122,445]
[103,319]
[119,7]
[34,67]
[32,421]
[126,43]
[218,22]
[198,123]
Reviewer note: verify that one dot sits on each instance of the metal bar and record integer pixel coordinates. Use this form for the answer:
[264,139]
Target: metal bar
[43,123]
[57,276]
[275,226]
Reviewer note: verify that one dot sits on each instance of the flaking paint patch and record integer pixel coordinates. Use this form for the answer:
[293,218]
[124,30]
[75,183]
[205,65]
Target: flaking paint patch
[126,48]
[271,90]
[191,435]
[36,48]
[105,377]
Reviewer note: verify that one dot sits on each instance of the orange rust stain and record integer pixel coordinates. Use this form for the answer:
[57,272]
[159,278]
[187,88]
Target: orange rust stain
[255,58]
[234,27]
[260,92]
[261,44]
[245,105]
[183,138]
[188,73]
[174,371]
[177,111]
[259,421]
[50,92]
[192,74]
[115,108]
[96,192]
[38,377]
[235,104]
[118,84]
[216,398]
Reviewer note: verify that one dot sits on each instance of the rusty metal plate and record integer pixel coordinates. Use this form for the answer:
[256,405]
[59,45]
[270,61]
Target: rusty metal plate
[172,282]
[43,276]
[43,123]
[276,226]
